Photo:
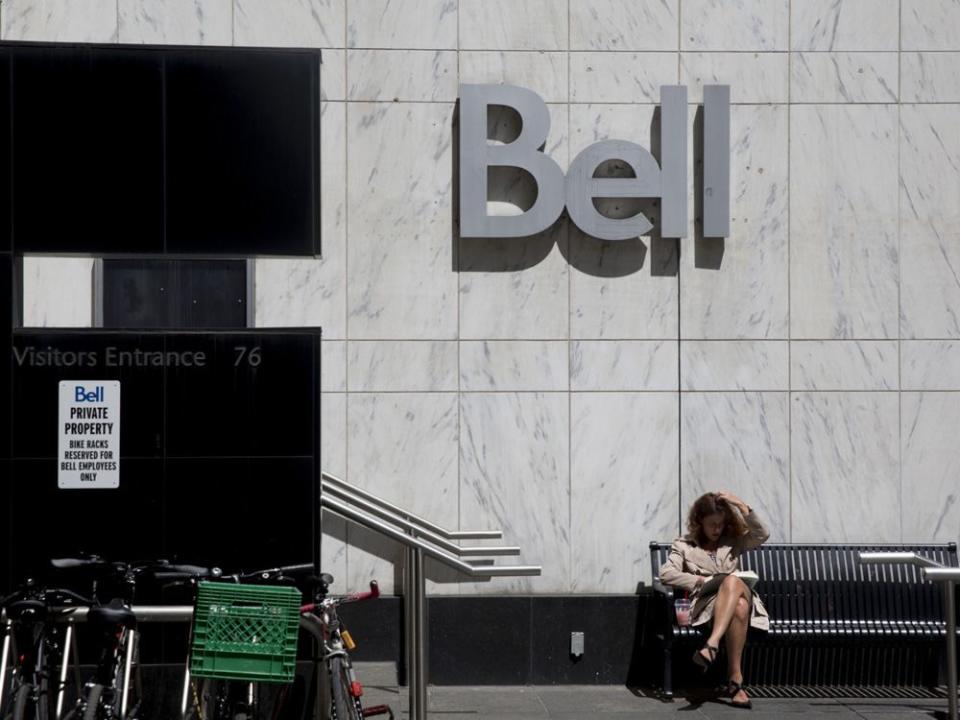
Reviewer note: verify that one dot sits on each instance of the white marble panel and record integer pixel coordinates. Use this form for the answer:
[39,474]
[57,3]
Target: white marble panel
[403,448]
[734,365]
[515,290]
[175,22]
[300,292]
[930,221]
[844,25]
[844,77]
[738,442]
[297,292]
[405,75]
[624,486]
[930,364]
[406,24]
[844,365]
[620,290]
[290,23]
[737,287]
[333,458]
[624,24]
[60,20]
[333,366]
[845,466]
[515,477]
[623,365]
[615,77]
[512,289]
[402,281]
[930,466]
[735,25]
[546,73]
[752,77]
[333,75]
[57,292]
[844,258]
[521,365]
[930,77]
[929,25]
[511,25]
[399,365]
[333,182]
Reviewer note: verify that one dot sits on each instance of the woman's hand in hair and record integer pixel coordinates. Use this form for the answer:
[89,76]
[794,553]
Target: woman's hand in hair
[733,500]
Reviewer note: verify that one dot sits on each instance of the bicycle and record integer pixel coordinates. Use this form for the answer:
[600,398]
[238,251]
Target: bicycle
[222,700]
[31,640]
[345,689]
[107,694]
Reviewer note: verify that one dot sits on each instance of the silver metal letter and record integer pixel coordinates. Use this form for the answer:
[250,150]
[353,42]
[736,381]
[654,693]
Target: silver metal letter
[477,155]
[582,188]
[716,160]
[673,161]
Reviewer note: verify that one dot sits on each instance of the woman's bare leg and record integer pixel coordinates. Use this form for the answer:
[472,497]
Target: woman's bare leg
[730,593]
[736,638]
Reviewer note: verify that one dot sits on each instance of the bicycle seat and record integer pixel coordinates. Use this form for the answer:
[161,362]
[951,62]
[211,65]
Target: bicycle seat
[113,614]
[27,610]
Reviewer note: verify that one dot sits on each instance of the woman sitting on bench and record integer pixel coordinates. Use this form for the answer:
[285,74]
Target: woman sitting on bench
[720,527]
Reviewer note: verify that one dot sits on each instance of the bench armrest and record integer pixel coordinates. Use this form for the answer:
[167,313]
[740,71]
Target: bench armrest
[665,590]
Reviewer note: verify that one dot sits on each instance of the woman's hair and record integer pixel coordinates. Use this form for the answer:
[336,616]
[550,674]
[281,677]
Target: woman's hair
[708,504]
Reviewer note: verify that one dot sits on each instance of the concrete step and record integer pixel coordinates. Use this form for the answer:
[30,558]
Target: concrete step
[376,674]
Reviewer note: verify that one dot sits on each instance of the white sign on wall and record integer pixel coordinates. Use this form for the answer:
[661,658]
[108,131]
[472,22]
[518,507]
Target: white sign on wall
[88,452]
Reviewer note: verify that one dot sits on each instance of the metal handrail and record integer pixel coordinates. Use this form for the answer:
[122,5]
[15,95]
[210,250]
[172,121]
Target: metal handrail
[944,574]
[412,541]
[426,524]
[376,509]
[906,558]
[932,570]
[422,539]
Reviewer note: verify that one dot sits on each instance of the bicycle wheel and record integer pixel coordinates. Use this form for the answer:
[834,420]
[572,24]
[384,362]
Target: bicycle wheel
[19,703]
[343,705]
[92,708]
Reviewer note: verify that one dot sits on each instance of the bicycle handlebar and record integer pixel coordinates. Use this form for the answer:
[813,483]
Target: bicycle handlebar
[46,594]
[372,594]
[72,563]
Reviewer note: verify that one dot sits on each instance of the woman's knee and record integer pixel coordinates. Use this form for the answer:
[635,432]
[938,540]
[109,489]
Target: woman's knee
[742,611]
[731,583]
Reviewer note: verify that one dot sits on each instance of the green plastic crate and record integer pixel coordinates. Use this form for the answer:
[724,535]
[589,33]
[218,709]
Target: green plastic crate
[245,632]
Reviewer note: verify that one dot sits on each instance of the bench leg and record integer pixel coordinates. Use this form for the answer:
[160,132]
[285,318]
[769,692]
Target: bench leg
[668,669]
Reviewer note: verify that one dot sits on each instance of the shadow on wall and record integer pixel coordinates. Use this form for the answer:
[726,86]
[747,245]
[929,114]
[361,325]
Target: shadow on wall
[513,190]
[707,251]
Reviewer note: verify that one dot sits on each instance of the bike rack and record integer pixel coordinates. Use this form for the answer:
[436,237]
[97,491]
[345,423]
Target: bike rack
[949,576]
[145,614]
[421,538]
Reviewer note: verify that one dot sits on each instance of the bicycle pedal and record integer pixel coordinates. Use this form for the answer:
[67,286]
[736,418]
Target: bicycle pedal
[378,710]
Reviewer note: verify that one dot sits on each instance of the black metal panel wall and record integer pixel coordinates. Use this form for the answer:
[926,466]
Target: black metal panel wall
[156,293]
[219,458]
[6,312]
[87,149]
[133,149]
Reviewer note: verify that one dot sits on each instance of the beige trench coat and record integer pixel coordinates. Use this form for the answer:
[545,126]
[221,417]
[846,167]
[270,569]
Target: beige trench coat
[687,561]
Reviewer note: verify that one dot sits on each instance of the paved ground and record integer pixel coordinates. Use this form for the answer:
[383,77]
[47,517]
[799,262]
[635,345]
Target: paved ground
[618,703]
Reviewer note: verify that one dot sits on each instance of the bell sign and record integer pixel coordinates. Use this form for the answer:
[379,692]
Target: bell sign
[580,187]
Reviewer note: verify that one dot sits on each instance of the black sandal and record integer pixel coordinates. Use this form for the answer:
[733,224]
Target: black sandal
[703,662]
[733,688]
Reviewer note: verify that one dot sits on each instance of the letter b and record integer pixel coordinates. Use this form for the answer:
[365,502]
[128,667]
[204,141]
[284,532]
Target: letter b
[477,155]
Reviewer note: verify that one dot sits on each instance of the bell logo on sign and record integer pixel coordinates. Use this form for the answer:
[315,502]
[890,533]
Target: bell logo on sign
[80,394]
[578,189]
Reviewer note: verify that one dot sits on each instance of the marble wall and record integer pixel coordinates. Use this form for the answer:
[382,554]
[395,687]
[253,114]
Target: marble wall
[579,394]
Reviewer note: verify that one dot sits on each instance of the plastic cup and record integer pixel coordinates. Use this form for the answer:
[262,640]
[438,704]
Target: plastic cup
[682,608]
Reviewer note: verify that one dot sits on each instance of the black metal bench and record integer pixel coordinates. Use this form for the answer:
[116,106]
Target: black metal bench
[833,621]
